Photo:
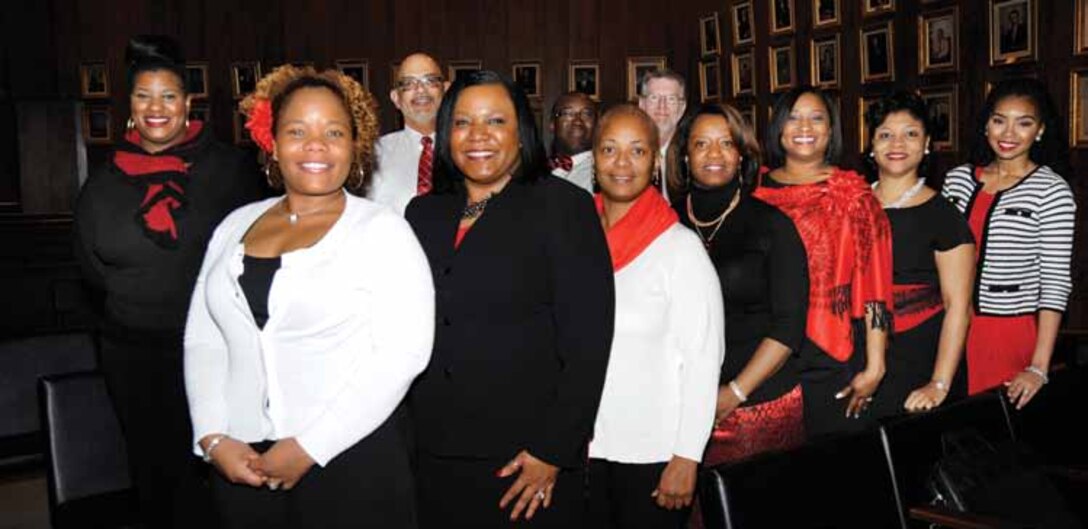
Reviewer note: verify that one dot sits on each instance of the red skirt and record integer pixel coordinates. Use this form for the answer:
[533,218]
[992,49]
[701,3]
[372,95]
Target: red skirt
[997,349]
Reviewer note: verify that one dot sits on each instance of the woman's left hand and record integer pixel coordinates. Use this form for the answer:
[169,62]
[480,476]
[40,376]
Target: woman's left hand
[860,391]
[533,488]
[925,398]
[284,464]
[1023,387]
[676,488]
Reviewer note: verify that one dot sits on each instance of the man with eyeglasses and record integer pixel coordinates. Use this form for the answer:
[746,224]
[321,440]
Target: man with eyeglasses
[574,115]
[405,158]
[661,95]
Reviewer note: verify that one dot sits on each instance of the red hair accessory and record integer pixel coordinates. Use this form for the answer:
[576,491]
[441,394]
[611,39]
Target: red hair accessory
[259,124]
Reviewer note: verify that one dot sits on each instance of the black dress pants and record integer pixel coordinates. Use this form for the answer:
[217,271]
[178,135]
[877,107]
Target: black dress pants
[619,497]
[146,382]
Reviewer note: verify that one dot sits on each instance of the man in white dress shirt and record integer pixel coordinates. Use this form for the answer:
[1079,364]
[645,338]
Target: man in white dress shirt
[661,95]
[405,157]
[574,116]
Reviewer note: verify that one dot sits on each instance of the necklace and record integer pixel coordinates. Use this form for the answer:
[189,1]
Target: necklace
[906,196]
[475,209]
[293,216]
[716,223]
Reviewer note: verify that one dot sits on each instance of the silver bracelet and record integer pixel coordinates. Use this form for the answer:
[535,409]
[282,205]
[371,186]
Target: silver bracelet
[737,391]
[941,385]
[211,446]
[1039,372]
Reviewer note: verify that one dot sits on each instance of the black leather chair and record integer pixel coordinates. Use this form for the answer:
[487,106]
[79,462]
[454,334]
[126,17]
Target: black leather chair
[840,483]
[87,469]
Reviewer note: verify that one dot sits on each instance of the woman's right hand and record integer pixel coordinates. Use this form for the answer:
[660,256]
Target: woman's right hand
[232,459]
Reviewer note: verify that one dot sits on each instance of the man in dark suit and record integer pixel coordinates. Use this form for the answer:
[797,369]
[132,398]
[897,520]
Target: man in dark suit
[1014,33]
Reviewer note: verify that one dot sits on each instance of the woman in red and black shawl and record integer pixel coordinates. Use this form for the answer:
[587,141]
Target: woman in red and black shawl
[847,242]
[142,223]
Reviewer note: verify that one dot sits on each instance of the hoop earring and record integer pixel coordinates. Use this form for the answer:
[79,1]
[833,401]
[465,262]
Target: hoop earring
[268,175]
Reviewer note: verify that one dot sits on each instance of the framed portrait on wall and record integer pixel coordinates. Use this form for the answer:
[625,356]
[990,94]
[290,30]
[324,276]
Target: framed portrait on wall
[94,80]
[825,13]
[942,107]
[748,114]
[456,67]
[710,35]
[1078,111]
[584,77]
[876,7]
[782,68]
[877,53]
[527,76]
[710,80]
[824,61]
[744,74]
[744,30]
[781,16]
[1012,31]
[97,124]
[637,68]
[938,44]
[196,79]
[357,69]
[244,76]
[1080,40]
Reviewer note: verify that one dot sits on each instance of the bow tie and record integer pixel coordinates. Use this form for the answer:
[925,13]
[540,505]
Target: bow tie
[561,161]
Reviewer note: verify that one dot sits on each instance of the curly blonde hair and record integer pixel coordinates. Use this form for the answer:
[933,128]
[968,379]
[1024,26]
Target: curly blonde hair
[278,87]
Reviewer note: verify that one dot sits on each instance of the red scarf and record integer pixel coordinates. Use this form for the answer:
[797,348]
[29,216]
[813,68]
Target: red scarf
[848,241]
[164,176]
[648,217]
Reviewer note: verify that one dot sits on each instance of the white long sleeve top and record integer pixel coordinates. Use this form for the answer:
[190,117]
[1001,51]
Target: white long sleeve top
[351,324]
[661,388]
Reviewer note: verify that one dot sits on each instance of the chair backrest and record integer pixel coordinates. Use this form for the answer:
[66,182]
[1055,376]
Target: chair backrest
[840,483]
[85,450]
[1046,423]
[914,443]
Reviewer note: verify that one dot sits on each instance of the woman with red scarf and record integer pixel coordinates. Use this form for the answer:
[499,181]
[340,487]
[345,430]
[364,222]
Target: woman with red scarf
[660,391]
[847,242]
[142,223]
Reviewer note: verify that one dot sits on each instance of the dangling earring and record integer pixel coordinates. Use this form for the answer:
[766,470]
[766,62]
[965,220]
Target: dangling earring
[1039,138]
[268,175]
[872,154]
[129,124]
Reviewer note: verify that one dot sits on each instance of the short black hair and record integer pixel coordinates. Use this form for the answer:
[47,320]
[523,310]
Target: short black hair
[774,154]
[148,53]
[900,101]
[448,178]
[1051,150]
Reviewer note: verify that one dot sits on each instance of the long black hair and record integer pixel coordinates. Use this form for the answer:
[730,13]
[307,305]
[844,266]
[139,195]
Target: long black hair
[773,153]
[148,53]
[448,177]
[1051,150]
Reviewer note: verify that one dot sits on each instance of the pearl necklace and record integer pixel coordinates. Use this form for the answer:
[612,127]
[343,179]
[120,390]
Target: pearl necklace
[906,196]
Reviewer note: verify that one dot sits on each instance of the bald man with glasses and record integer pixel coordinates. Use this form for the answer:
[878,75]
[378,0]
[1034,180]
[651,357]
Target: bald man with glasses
[405,158]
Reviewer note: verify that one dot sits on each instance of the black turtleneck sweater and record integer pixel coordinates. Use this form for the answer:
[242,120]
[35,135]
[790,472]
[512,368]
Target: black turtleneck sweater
[763,272]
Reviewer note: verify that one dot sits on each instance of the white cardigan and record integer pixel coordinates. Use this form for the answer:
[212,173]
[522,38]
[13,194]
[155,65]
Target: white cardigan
[351,324]
[661,388]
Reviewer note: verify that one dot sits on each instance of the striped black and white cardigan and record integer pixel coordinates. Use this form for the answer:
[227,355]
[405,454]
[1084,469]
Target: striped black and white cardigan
[1027,242]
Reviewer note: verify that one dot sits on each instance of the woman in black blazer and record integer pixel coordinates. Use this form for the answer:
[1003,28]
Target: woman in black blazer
[524,317]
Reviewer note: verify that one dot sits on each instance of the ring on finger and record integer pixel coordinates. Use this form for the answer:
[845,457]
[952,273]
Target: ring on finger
[540,494]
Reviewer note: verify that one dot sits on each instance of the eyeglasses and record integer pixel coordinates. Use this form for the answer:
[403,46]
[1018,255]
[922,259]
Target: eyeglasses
[671,100]
[407,84]
[568,114]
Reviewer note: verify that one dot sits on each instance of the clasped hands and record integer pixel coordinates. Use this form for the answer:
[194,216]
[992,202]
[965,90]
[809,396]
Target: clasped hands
[282,466]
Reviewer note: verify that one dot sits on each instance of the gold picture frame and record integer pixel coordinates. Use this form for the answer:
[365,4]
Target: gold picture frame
[744,73]
[94,80]
[585,77]
[864,102]
[637,67]
[748,114]
[877,7]
[938,41]
[358,69]
[826,13]
[243,77]
[196,79]
[710,81]
[527,76]
[942,106]
[744,29]
[1080,39]
[463,65]
[878,53]
[1012,38]
[782,67]
[1078,111]
[710,35]
[825,61]
[783,16]
[97,124]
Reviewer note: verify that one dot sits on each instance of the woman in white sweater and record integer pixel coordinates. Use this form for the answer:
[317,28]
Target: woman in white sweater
[661,387]
[312,314]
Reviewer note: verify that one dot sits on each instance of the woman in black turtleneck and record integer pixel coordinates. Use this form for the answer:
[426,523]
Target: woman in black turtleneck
[761,265]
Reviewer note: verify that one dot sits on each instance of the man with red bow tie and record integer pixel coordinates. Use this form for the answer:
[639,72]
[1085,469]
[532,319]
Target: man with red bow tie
[574,115]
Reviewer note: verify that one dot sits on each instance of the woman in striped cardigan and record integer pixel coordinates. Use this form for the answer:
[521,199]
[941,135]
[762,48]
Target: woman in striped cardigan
[1021,212]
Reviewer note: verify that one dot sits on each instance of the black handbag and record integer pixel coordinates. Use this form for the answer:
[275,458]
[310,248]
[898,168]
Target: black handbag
[1000,480]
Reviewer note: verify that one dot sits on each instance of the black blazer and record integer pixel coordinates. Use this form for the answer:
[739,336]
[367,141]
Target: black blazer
[524,316]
